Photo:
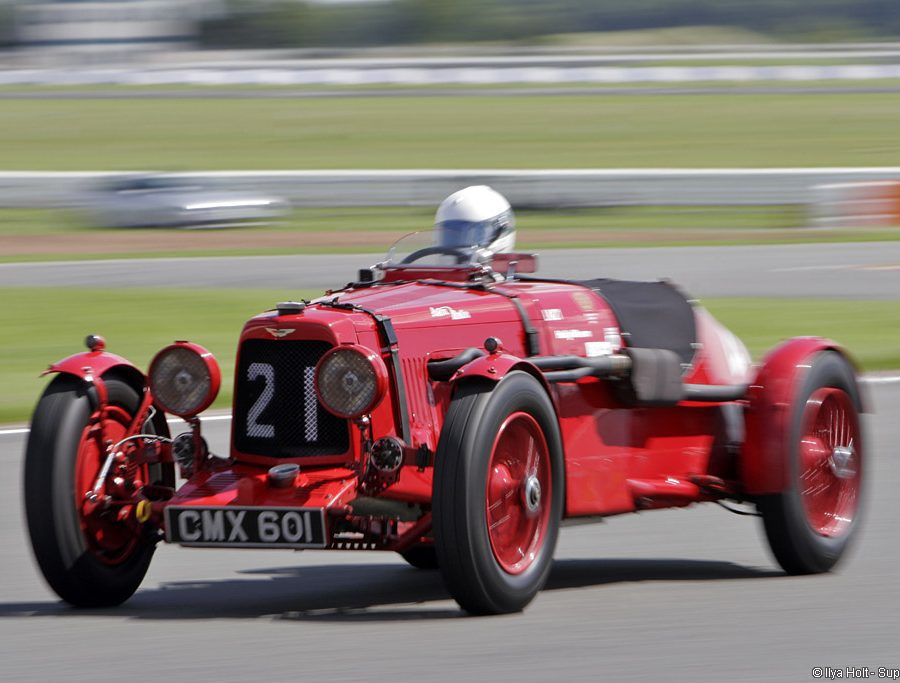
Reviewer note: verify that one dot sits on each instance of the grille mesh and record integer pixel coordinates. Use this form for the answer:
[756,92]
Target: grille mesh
[276,413]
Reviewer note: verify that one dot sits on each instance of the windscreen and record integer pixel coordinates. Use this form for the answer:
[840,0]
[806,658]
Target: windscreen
[424,250]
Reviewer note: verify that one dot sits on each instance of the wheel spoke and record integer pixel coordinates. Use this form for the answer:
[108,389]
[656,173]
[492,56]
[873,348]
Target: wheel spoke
[499,522]
[829,476]
[531,458]
[517,513]
[111,540]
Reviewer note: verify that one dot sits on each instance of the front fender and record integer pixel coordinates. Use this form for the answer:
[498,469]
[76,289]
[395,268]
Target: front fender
[495,367]
[764,464]
[94,368]
[91,366]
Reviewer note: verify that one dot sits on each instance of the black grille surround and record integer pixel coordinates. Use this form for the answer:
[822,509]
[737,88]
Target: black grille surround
[276,411]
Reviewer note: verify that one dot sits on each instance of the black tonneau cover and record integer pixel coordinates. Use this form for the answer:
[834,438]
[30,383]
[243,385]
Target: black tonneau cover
[651,315]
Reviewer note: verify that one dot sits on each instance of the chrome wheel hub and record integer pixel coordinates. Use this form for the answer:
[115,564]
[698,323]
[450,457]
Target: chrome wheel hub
[842,462]
[532,493]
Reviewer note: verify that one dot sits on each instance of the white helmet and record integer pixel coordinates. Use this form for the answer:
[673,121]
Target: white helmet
[476,216]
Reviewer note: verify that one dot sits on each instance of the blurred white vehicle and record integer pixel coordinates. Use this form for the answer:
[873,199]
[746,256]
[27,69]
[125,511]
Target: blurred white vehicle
[174,202]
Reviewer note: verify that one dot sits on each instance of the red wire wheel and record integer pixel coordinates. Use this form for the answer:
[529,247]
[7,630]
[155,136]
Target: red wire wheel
[518,493]
[112,541]
[498,493]
[91,555]
[830,466]
[810,524]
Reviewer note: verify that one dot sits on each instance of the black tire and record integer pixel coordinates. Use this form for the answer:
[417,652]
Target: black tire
[68,563]
[471,568]
[421,557]
[797,546]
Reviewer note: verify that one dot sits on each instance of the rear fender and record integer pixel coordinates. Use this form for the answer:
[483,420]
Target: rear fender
[764,462]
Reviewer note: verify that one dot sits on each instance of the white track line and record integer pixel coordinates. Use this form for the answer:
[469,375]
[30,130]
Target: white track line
[876,379]
[171,420]
[887,379]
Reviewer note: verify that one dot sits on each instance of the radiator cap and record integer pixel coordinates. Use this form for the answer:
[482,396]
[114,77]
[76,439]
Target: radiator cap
[283,476]
[290,307]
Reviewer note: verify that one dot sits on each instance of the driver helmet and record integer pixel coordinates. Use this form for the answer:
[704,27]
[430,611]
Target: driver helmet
[476,216]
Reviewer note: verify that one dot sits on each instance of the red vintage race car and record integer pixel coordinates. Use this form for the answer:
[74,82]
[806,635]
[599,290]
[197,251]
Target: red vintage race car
[454,409]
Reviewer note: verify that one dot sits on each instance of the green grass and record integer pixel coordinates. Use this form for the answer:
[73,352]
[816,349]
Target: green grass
[869,330]
[459,132]
[51,323]
[767,61]
[179,90]
[48,222]
[42,235]
[700,36]
[39,222]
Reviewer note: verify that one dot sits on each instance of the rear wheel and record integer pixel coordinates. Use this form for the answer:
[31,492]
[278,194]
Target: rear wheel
[90,556]
[498,494]
[811,523]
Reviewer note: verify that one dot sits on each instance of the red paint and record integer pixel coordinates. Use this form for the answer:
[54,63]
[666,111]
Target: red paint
[617,457]
[88,365]
[248,485]
[518,493]
[607,445]
[212,368]
[495,367]
[771,399]
[830,490]
[112,542]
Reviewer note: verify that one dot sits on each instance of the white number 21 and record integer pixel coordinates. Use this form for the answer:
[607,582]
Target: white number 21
[258,430]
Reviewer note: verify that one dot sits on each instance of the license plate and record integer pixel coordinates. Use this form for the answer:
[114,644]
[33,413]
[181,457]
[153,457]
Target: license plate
[245,527]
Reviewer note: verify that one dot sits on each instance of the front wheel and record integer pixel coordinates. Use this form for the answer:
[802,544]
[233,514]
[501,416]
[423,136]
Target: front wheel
[89,556]
[811,523]
[498,494]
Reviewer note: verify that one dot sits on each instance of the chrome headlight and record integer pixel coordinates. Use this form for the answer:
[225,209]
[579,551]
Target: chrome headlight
[184,379]
[351,380]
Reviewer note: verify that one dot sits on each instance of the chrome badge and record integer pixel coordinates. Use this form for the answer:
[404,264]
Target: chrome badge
[278,332]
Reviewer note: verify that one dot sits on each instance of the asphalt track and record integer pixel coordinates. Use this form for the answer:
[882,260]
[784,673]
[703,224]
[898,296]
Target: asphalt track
[869,270]
[686,594]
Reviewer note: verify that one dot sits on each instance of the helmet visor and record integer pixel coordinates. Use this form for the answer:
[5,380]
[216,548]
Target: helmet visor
[460,233]
[463,233]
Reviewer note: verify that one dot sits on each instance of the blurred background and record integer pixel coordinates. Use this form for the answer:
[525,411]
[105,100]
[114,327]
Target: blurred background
[169,168]
[328,127]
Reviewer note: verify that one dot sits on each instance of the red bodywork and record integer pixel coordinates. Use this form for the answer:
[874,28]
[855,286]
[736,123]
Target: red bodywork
[92,367]
[764,469]
[618,457]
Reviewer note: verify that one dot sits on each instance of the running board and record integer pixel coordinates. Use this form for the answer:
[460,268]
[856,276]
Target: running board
[659,493]
[676,491]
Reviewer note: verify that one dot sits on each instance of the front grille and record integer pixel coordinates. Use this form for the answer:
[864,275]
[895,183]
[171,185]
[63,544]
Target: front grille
[276,412]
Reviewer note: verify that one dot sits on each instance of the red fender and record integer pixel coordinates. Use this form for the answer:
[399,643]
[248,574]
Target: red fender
[764,460]
[496,366]
[90,366]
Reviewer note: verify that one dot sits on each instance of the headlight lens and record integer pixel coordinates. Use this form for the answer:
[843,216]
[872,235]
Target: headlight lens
[350,380]
[184,379]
